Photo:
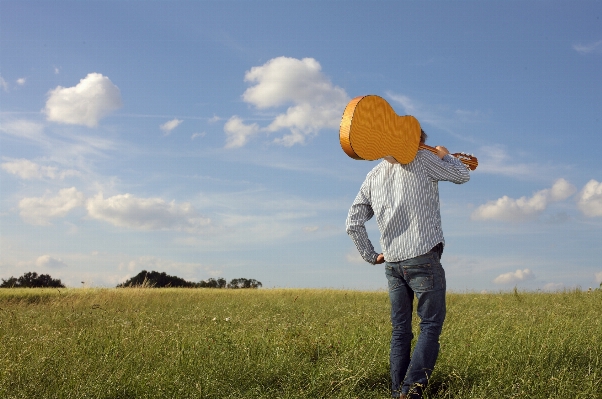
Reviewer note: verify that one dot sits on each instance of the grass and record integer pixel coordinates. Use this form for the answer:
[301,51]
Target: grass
[208,343]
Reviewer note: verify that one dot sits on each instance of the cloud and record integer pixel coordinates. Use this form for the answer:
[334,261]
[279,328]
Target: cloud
[146,213]
[188,271]
[238,133]
[28,170]
[23,128]
[514,277]
[38,211]
[440,116]
[595,47]
[21,81]
[168,126]
[523,209]
[314,103]
[93,98]
[195,135]
[496,160]
[3,84]
[590,199]
[48,261]
[553,287]
[598,277]
[353,256]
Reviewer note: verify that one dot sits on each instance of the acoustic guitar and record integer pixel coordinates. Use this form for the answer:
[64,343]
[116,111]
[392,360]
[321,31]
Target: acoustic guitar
[370,129]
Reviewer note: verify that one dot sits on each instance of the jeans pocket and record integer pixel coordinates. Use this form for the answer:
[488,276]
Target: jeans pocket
[419,277]
[392,280]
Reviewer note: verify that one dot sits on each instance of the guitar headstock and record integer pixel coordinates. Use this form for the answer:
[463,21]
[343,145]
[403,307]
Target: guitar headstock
[469,160]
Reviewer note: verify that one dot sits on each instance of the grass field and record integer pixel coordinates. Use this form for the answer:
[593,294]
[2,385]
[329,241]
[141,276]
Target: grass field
[209,343]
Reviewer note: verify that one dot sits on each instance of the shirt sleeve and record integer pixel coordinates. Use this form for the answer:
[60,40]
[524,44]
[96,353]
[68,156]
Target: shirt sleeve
[449,168]
[359,213]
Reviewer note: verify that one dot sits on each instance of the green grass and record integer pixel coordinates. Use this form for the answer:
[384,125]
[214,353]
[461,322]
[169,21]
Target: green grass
[208,343]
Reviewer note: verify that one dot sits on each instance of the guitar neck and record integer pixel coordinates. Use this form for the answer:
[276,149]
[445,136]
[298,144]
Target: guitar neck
[423,146]
[468,160]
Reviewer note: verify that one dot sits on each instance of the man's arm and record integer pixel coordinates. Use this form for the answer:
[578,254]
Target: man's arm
[444,167]
[359,213]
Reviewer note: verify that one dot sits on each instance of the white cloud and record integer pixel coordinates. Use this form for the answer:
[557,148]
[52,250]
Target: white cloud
[23,128]
[353,256]
[3,84]
[168,126]
[523,209]
[514,277]
[28,170]
[195,135]
[314,103]
[440,116]
[553,287]
[598,277]
[561,190]
[38,211]
[48,261]
[590,199]
[495,159]
[146,213]
[93,98]
[595,47]
[21,81]
[238,133]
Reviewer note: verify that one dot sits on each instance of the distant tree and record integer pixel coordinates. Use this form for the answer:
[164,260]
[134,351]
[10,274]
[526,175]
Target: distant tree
[32,280]
[156,280]
[212,283]
[244,283]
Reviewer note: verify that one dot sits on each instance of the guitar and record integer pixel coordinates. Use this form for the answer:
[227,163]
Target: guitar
[370,129]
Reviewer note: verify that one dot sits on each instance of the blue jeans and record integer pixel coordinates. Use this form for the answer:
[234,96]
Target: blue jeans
[425,277]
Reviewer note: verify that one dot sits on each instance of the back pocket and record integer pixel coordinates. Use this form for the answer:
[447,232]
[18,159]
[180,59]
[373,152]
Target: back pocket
[419,277]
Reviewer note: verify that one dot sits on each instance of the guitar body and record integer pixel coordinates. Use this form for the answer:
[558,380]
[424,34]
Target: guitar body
[370,129]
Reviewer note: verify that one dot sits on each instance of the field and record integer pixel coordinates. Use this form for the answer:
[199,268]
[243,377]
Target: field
[211,343]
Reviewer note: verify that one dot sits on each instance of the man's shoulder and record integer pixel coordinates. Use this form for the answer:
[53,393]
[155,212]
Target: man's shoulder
[377,169]
[425,155]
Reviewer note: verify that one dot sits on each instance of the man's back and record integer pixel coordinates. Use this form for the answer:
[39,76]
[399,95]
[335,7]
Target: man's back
[405,200]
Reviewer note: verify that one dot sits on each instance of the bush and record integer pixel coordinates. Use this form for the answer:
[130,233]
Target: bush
[156,280]
[32,280]
[244,283]
[212,283]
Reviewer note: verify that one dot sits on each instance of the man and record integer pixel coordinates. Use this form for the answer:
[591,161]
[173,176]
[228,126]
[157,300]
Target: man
[405,201]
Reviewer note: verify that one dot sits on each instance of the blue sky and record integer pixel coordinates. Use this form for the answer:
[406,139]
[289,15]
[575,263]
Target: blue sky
[201,138]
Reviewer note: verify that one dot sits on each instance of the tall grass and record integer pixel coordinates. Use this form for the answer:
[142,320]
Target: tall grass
[207,343]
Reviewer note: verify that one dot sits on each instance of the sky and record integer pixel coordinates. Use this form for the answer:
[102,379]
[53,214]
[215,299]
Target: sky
[200,138]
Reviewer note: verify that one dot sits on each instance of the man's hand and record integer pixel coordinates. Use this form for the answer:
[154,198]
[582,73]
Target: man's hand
[441,151]
[379,259]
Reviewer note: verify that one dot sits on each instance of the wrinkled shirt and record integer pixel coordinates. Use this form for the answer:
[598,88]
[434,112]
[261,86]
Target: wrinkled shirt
[405,200]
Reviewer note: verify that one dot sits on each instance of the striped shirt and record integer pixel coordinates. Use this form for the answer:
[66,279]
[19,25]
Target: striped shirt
[405,200]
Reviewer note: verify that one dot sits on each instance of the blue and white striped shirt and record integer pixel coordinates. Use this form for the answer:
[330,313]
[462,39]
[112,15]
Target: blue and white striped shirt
[405,200]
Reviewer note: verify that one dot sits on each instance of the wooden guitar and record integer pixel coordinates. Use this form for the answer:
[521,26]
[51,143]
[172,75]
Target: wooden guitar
[370,129]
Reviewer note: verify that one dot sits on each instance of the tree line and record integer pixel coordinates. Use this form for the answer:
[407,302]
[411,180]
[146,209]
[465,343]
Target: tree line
[32,280]
[163,280]
[146,279]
